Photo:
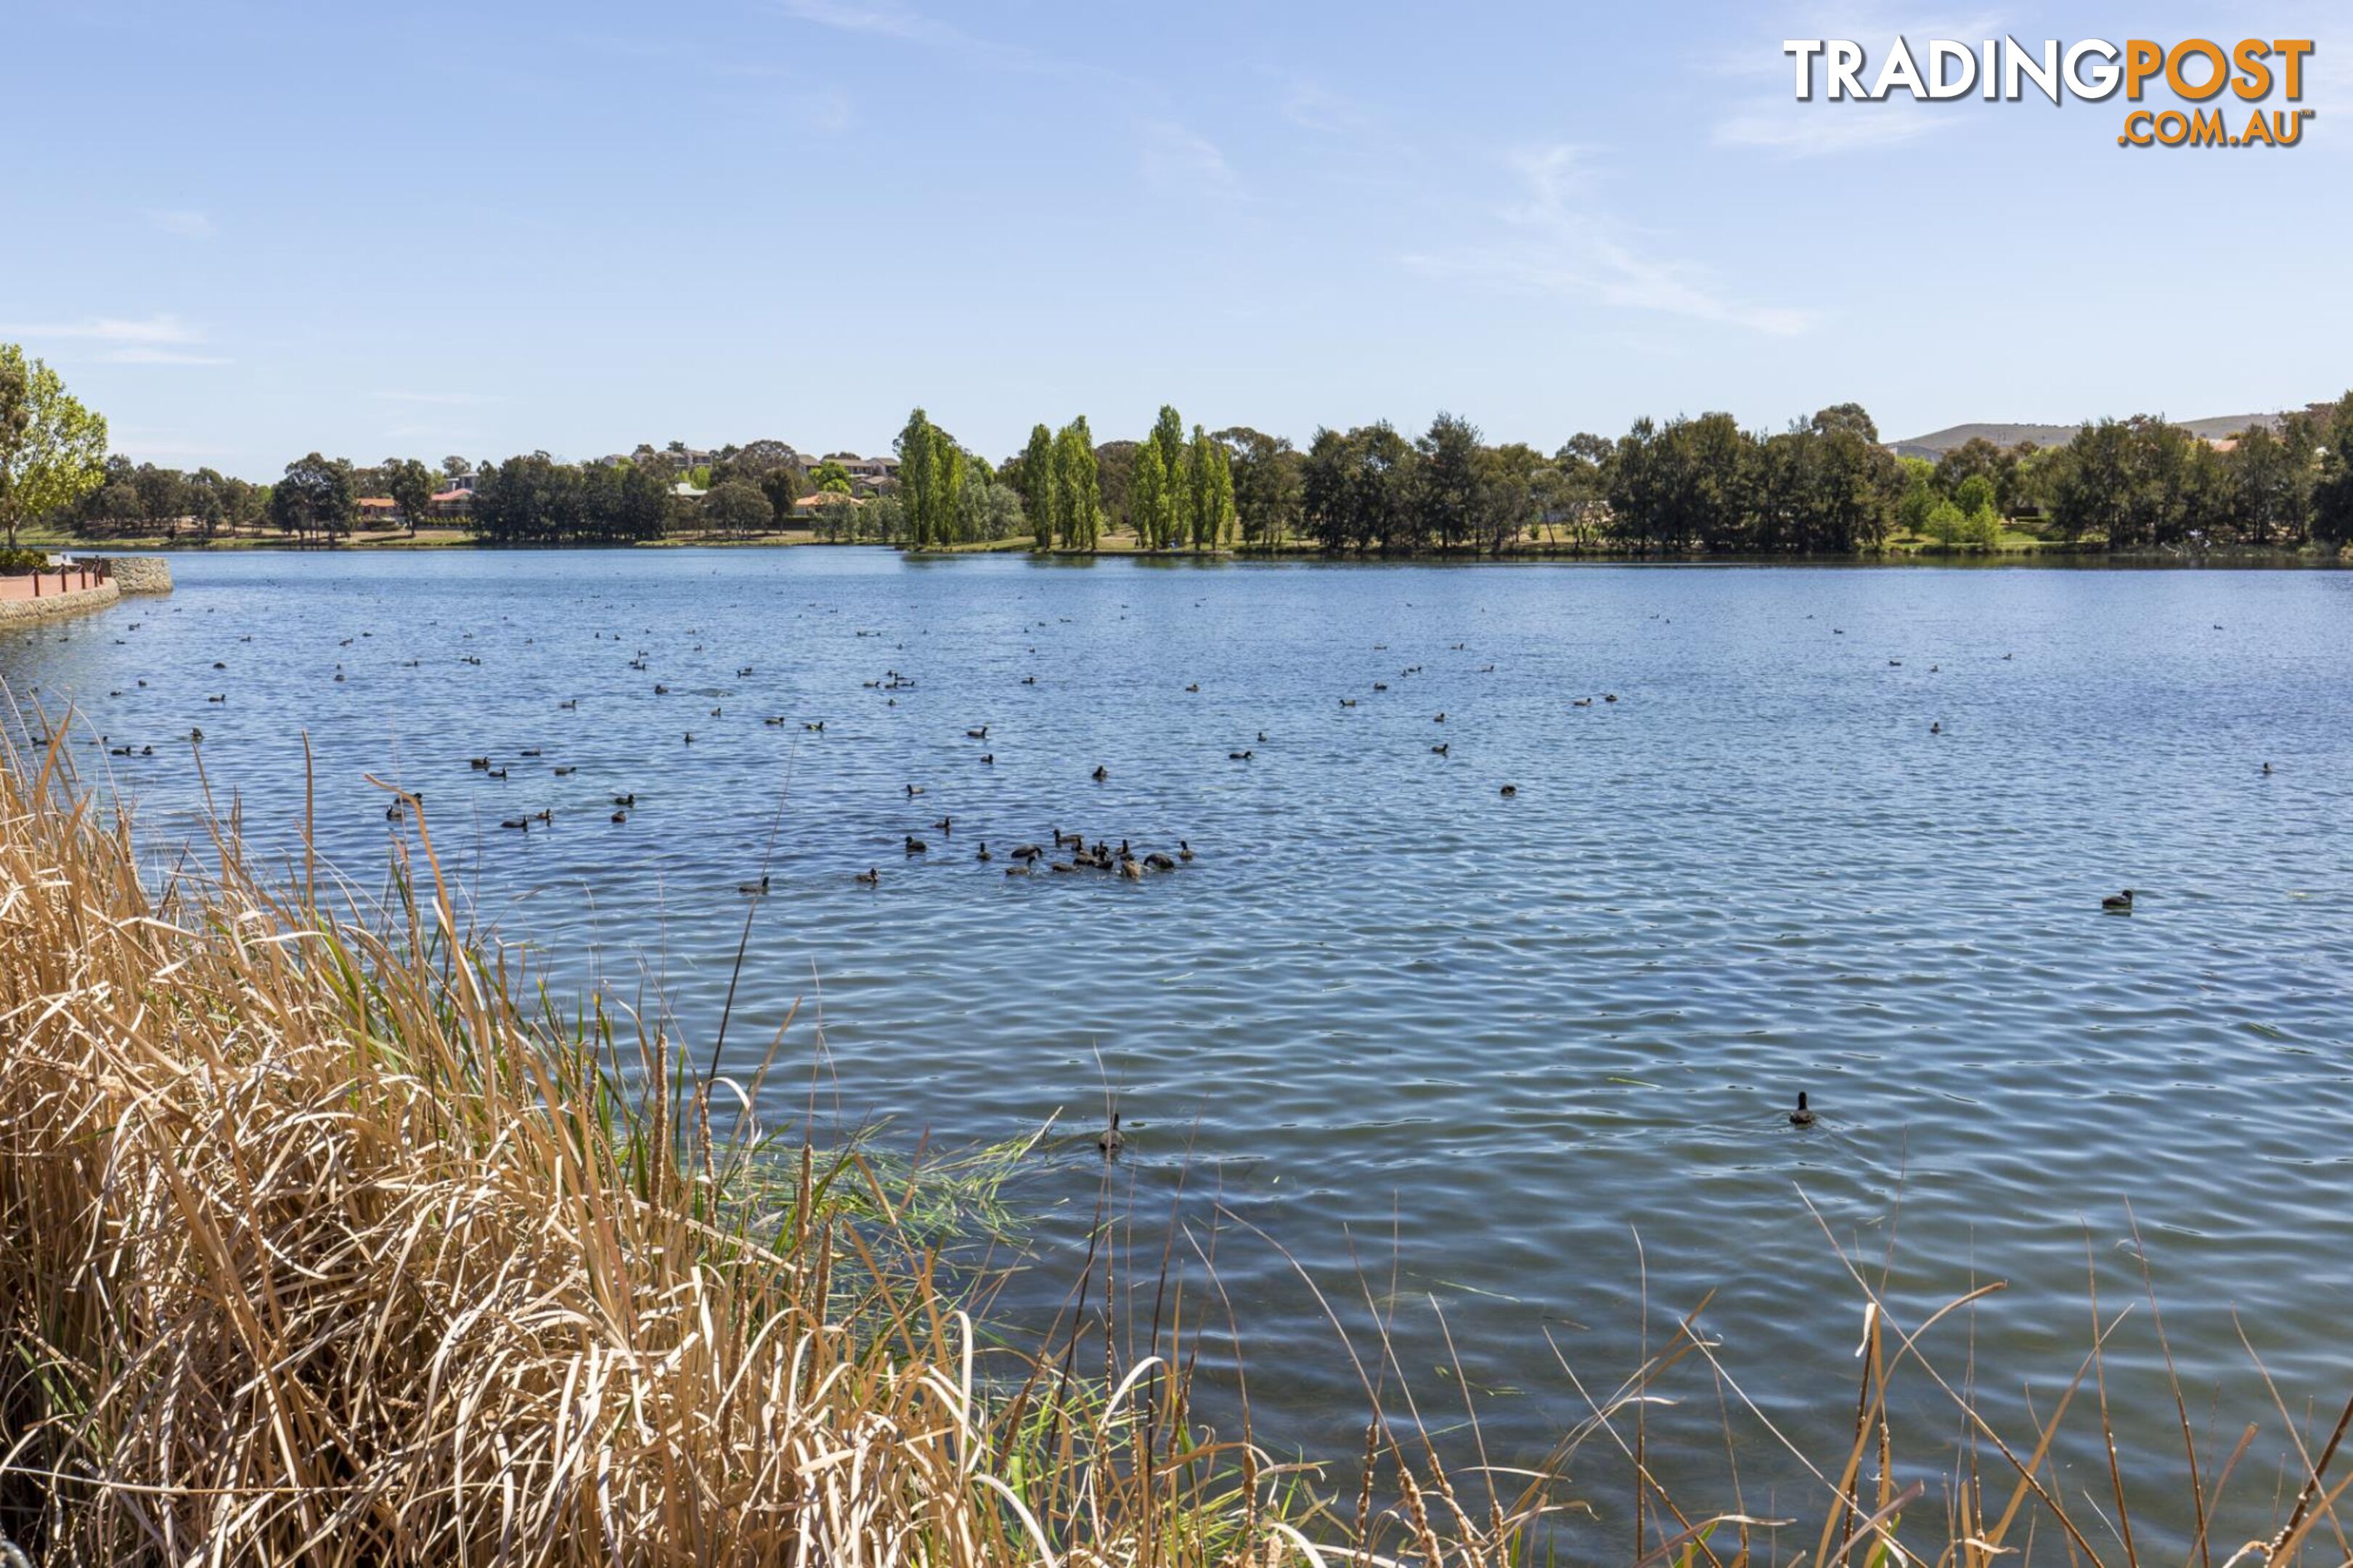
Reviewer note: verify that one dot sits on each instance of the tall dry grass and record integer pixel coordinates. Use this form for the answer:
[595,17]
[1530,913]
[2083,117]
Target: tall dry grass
[321,1243]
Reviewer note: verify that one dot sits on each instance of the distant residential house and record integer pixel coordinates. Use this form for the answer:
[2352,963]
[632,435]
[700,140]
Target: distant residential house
[452,502]
[809,506]
[866,471]
[380,512]
[686,489]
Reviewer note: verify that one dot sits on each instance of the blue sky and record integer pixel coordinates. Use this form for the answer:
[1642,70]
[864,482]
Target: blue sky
[247,230]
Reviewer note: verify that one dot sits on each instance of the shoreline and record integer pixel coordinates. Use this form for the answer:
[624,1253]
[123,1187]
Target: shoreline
[2049,557]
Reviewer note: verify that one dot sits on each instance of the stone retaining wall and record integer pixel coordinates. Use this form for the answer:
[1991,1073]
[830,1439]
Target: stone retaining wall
[27,612]
[140,573]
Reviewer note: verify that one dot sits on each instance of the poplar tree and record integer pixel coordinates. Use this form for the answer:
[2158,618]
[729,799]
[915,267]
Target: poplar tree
[1167,438]
[1152,498]
[1208,492]
[1078,497]
[918,477]
[1038,486]
[946,490]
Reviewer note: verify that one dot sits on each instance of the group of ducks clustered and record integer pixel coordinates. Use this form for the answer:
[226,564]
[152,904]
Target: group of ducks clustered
[1124,861]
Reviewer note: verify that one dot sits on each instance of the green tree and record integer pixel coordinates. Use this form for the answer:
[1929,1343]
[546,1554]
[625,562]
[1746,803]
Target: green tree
[1077,499]
[52,449]
[782,485]
[738,507]
[1265,471]
[1151,498]
[410,483]
[2332,489]
[918,480]
[1946,522]
[1446,490]
[314,498]
[1037,486]
[1209,492]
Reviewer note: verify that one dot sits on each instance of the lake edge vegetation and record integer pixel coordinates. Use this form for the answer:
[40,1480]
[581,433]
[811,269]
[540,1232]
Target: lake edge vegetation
[327,1241]
[1685,489]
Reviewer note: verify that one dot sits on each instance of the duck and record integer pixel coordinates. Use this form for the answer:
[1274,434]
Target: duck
[1184,851]
[988,759]
[1026,852]
[1582,702]
[1064,867]
[620,817]
[1440,719]
[1111,1140]
[815,728]
[569,702]
[1510,790]
[984,857]
[870,878]
[2267,770]
[1101,773]
[1609,696]
[522,824]
[916,846]
[1195,687]
[1157,861]
[1803,1116]
[754,889]
[914,790]
[1240,757]
[1441,749]
[1348,703]
[1936,728]
[979,734]
[495,774]
[1131,871]
[562,772]
[1023,870]
[945,826]
[628,799]
[2118,903]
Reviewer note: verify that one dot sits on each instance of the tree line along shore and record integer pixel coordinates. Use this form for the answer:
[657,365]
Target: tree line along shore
[1689,486]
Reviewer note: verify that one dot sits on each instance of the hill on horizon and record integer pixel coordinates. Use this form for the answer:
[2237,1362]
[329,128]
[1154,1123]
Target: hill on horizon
[1937,443]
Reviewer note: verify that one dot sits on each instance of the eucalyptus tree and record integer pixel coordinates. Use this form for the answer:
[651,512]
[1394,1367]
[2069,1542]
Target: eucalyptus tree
[52,449]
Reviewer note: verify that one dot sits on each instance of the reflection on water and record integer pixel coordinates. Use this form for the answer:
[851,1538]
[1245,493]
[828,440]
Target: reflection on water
[1391,1016]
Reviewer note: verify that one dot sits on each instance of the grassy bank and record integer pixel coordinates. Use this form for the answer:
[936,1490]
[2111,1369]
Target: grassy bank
[325,1240]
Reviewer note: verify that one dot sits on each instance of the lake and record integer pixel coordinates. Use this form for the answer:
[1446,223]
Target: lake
[1517,1059]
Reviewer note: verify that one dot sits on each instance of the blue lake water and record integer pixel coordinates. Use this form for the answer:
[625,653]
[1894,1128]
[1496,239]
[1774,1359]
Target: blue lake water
[1472,1046]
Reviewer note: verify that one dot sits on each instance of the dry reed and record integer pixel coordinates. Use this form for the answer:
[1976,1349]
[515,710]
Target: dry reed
[320,1246]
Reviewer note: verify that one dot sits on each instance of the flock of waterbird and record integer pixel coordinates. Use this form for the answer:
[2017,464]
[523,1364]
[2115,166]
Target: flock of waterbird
[1125,862]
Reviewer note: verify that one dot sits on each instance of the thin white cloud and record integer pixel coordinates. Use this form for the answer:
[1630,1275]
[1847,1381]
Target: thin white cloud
[1824,129]
[156,340]
[442,399]
[1557,240]
[187,222]
[1178,160]
[1312,106]
[1774,121]
[140,353]
[114,330]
